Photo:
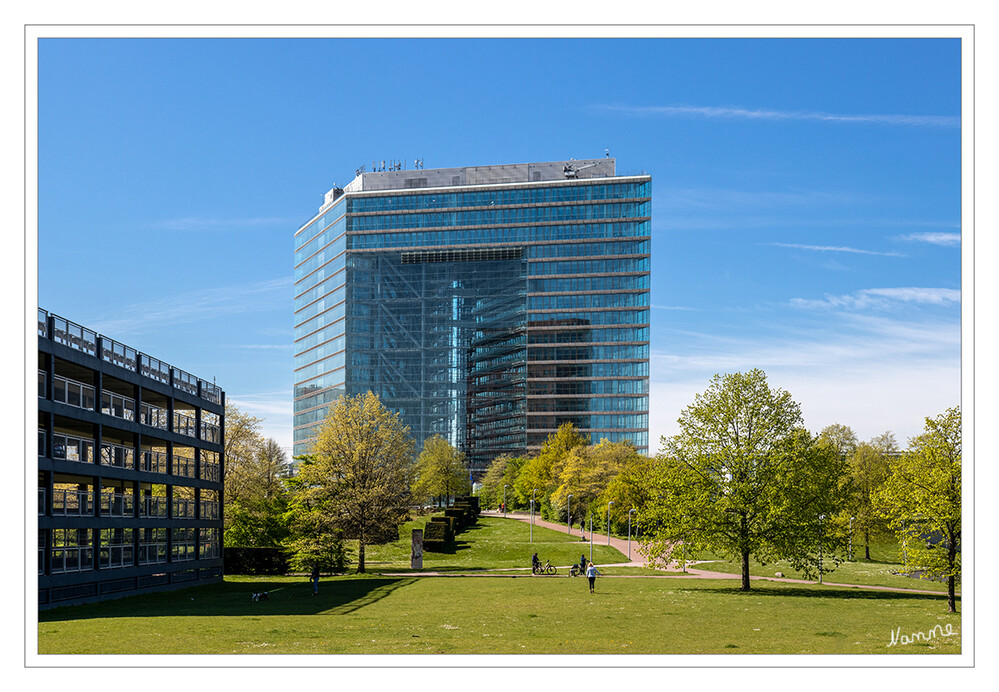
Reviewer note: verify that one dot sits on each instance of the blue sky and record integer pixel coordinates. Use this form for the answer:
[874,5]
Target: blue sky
[806,195]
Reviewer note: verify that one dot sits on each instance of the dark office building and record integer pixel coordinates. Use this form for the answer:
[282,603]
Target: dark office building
[130,470]
[486,304]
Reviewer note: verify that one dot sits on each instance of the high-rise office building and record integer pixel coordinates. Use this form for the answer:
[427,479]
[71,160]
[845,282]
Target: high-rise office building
[486,304]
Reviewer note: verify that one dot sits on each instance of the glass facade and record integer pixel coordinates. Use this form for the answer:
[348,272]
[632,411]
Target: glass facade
[488,314]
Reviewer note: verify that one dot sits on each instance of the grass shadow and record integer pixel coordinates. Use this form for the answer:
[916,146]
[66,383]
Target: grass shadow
[335,596]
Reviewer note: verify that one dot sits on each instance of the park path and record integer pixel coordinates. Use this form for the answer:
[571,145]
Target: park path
[692,572]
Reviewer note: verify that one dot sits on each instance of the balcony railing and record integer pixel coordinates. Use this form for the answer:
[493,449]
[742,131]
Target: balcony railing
[73,335]
[211,393]
[116,505]
[118,354]
[154,369]
[183,466]
[154,462]
[118,456]
[209,471]
[117,556]
[185,381]
[209,432]
[153,507]
[183,508]
[41,501]
[71,559]
[43,323]
[72,503]
[209,509]
[184,424]
[73,393]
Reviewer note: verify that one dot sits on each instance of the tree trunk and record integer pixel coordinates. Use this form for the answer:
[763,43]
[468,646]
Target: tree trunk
[867,543]
[360,556]
[951,599]
[745,570]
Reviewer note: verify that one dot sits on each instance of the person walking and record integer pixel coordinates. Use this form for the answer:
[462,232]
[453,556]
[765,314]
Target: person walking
[315,579]
[582,563]
[591,575]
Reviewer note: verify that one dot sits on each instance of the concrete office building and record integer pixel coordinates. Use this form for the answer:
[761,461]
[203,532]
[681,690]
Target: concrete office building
[487,304]
[130,470]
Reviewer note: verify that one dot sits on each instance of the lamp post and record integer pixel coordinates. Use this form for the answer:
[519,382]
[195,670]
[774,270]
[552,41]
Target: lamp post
[630,512]
[504,499]
[591,537]
[568,515]
[608,521]
[532,513]
[822,518]
[849,548]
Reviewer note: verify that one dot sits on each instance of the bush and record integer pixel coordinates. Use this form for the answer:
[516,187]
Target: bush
[254,561]
[437,536]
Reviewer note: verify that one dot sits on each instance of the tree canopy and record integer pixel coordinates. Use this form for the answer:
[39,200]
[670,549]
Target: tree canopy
[440,472]
[356,483]
[921,500]
[744,478]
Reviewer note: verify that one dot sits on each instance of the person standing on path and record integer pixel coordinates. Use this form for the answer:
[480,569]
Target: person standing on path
[582,563]
[315,579]
[591,575]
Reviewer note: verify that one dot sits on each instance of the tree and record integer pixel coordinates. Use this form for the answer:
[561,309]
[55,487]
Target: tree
[841,437]
[921,500]
[242,447]
[743,477]
[440,471]
[587,472]
[542,472]
[356,485]
[868,467]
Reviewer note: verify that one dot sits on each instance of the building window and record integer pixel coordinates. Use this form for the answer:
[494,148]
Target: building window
[153,506]
[117,455]
[116,504]
[69,500]
[153,461]
[72,448]
[184,424]
[41,384]
[152,546]
[183,544]
[117,406]
[183,502]
[209,504]
[117,548]
[41,551]
[73,393]
[210,544]
[183,465]
[71,551]
[153,416]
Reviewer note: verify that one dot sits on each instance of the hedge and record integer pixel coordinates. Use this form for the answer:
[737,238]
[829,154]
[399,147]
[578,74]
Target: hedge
[254,561]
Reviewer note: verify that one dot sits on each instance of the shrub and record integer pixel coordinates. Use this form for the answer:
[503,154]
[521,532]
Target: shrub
[254,561]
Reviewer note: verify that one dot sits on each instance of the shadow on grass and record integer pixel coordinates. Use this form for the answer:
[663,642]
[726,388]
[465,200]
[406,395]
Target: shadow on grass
[825,592]
[335,597]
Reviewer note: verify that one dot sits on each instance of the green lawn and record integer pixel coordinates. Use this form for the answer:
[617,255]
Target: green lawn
[389,612]
[878,571]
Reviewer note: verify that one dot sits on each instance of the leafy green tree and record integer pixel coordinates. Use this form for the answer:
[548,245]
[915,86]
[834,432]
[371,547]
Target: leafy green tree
[841,437]
[586,474]
[541,473]
[743,478]
[868,467]
[501,471]
[921,500]
[440,472]
[357,484]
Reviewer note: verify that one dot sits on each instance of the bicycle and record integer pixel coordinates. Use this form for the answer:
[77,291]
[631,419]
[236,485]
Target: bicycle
[547,568]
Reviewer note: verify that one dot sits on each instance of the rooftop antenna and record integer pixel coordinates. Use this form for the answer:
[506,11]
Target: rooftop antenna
[607,153]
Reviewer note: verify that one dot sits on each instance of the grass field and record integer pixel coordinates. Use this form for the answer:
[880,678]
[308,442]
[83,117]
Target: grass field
[387,612]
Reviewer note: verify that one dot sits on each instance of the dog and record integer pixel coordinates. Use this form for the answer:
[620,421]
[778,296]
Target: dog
[262,596]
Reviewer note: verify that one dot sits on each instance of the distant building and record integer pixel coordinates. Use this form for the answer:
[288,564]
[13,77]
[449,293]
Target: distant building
[130,470]
[486,304]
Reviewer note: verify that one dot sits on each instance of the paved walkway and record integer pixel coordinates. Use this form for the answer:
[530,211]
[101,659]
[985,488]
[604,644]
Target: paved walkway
[638,560]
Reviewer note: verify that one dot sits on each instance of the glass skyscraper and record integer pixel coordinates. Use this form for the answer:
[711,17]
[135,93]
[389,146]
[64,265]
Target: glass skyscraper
[487,304]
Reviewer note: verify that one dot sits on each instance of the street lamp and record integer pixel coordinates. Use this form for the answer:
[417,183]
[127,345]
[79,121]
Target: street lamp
[822,518]
[849,549]
[608,521]
[591,536]
[532,513]
[630,511]
[568,515]
[504,499]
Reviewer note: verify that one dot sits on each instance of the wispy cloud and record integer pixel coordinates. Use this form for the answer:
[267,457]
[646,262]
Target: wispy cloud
[833,248]
[669,307]
[944,239]
[200,223]
[883,298]
[195,306]
[760,114]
